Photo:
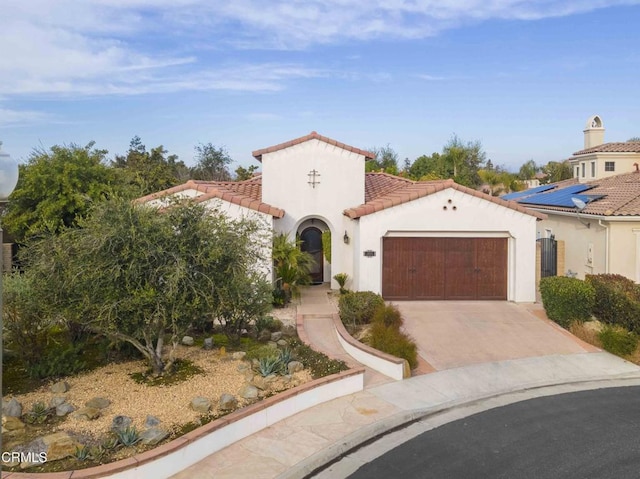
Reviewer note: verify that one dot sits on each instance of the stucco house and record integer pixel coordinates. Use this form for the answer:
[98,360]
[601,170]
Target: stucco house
[401,238]
[597,212]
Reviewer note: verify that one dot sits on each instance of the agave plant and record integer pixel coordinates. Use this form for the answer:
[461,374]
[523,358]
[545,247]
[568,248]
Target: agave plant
[128,436]
[269,365]
[81,453]
[38,414]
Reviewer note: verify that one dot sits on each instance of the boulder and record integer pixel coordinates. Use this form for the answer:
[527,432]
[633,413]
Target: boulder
[64,409]
[56,401]
[120,423]
[201,405]
[228,402]
[208,344]
[59,445]
[98,403]
[12,425]
[60,387]
[294,367]
[188,341]
[238,355]
[259,382]
[11,408]
[289,330]
[277,336]
[249,392]
[87,413]
[264,335]
[153,436]
[151,421]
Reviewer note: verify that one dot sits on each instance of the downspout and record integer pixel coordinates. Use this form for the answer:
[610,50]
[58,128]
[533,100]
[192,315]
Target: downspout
[606,246]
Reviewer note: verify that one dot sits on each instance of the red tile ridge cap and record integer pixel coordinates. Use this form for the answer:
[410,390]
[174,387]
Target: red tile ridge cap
[241,200]
[257,154]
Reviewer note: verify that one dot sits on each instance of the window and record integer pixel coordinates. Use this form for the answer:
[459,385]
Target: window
[583,170]
[593,169]
[609,166]
[577,171]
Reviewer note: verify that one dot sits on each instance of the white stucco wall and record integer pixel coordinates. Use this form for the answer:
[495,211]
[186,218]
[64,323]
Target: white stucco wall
[624,254]
[473,217]
[285,184]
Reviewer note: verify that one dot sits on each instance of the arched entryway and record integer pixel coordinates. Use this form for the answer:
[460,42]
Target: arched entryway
[311,238]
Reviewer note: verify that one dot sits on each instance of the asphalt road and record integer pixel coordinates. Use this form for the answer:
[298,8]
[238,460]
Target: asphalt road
[589,434]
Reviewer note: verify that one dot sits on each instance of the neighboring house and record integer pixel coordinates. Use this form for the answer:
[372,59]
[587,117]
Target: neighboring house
[597,213]
[401,238]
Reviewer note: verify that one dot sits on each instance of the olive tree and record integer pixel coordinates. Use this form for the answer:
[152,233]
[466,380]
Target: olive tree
[142,275]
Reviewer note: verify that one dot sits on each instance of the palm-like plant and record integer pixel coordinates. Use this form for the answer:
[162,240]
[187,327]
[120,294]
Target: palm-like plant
[292,266]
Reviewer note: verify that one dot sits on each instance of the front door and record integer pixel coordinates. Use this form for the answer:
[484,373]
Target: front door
[312,243]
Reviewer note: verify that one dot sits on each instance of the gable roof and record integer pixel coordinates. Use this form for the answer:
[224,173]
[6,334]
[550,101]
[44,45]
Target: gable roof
[246,193]
[384,191]
[620,196]
[619,147]
[312,136]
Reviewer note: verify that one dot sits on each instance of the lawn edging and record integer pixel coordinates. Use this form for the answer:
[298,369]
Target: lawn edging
[175,456]
[395,368]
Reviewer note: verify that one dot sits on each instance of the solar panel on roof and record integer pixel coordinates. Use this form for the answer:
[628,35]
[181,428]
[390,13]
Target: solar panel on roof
[560,198]
[532,191]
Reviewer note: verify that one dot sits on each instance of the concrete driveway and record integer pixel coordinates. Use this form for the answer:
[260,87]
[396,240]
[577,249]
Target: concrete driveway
[451,334]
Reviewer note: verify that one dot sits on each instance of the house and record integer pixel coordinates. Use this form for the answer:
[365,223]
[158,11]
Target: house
[401,238]
[597,212]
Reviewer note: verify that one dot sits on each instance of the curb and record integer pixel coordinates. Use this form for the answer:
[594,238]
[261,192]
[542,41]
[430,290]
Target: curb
[371,432]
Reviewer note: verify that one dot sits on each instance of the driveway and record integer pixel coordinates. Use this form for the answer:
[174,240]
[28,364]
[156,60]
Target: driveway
[452,334]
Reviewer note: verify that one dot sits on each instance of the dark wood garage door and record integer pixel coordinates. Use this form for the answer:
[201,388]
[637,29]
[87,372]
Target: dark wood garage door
[444,268]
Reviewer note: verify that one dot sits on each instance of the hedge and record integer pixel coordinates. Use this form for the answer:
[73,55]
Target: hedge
[567,299]
[617,300]
[358,307]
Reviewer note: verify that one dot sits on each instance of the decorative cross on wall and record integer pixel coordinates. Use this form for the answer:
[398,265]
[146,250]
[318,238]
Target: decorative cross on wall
[313,174]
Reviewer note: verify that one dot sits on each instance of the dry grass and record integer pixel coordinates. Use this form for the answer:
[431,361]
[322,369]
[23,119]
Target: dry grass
[587,331]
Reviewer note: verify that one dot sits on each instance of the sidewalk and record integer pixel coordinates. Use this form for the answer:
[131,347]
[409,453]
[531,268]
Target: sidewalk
[296,446]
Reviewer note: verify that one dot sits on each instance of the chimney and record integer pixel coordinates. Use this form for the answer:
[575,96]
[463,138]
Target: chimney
[594,132]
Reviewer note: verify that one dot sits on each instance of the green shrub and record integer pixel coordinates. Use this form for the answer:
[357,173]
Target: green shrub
[391,340]
[617,300]
[58,360]
[317,363]
[358,307]
[341,279]
[269,323]
[618,341]
[389,315]
[567,299]
[262,352]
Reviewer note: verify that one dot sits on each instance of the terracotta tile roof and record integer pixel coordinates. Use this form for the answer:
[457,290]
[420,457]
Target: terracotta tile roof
[312,136]
[244,193]
[622,196]
[620,147]
[384,191]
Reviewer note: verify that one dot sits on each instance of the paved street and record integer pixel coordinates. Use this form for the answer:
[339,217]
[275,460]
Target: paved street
[587,434]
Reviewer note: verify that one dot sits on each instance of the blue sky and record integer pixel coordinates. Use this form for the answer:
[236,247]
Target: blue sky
[521,76]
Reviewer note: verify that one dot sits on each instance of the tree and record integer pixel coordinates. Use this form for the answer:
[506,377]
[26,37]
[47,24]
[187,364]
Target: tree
[150,171]
[292,267]
[57,187]
[134,275]
[634,139]
[463,160]
[212,163]
[431,167]
[245,173]
[528,170]
[386,160]
[557,171]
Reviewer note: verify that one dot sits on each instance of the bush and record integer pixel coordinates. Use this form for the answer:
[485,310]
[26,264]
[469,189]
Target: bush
[391,340]
[358,307]
[618,341]
[341,279]
[389,315]
[617,300]
[567,299]
[317,363]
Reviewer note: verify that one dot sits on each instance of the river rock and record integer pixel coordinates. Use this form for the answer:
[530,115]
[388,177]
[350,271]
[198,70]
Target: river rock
[60,387]
[11,408]
[87,413]
[151,421]
[188,341]
[294,367]
[56,401]
[227,402]
[238,355]
[249,392]
[201,405]
[12,425]
[64,409]
[153,436]
[259,382]
[59,445]
[208,344]
[277,336]
[120,423]
[98,403]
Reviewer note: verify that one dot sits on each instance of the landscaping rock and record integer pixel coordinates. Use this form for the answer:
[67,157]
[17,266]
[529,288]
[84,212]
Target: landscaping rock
[59,445]
[282,343]
[153,436]
[264,336]
[87,413]
[35,448]
[11,408]
[98,403]
[64,409]
[60,387]
[12,425]
[188,341]
[249,392]
[201,405]
[242,367]
[120,423]
[294,367]
[289,330]
[272,344]
[227,402]
[259,382]
[57,400]
[276,336]
[151,421]
[239,355]
[208,344]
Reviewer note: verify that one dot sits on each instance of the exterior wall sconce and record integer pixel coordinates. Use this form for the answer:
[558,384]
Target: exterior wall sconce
[346,238]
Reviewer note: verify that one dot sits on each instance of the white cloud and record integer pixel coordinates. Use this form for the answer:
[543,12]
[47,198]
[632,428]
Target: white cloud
[14,118]
[94,47]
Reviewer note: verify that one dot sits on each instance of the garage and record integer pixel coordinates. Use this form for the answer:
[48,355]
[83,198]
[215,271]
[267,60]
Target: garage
[444,268]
